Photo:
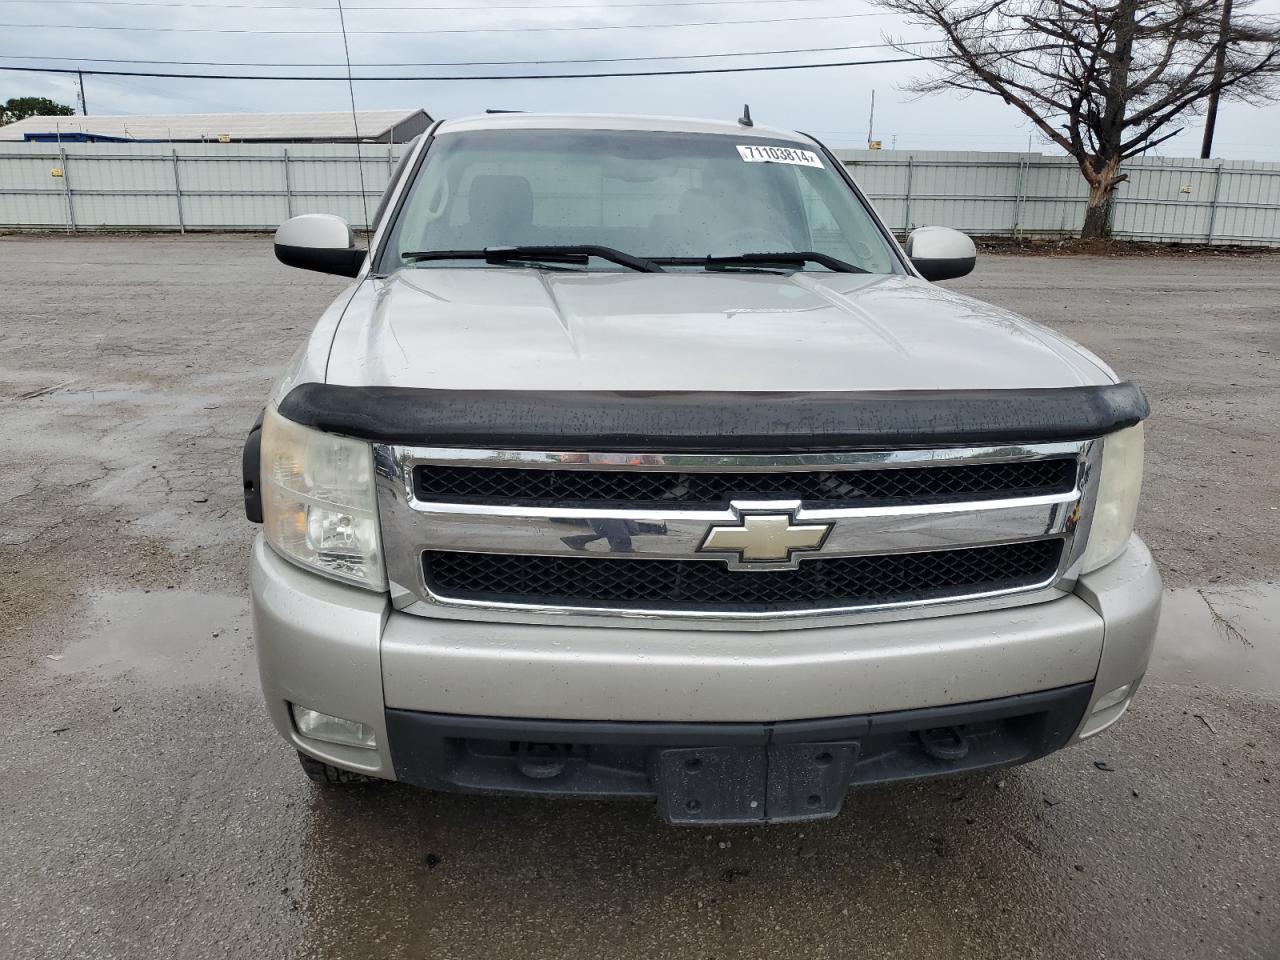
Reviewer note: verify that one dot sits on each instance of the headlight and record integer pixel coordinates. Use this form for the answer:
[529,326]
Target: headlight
[1117,505]
[318,506]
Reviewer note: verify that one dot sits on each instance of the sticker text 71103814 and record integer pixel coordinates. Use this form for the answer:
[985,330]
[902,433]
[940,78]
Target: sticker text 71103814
[758,154]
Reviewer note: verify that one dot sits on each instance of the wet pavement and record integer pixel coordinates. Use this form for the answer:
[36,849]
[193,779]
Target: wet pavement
[147,808]
[171,638]
[1227,636]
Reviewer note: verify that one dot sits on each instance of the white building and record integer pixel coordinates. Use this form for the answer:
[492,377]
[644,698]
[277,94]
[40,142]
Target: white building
[378,126]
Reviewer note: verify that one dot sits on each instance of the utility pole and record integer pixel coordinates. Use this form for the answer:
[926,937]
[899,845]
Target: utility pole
[84,107]
[1219,65]
[871,121]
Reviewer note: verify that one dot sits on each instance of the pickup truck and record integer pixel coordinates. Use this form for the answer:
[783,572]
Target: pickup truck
[640,460]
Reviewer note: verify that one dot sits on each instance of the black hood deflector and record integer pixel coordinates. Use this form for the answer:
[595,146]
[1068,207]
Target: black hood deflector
[687,422]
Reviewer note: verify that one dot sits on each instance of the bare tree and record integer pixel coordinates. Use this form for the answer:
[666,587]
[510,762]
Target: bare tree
[1104,81]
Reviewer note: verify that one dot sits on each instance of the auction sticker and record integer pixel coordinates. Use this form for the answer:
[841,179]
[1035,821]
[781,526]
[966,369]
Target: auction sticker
[757,154]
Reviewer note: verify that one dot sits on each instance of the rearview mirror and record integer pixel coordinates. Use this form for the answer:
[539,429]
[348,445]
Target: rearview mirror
[319,241]
[940,253]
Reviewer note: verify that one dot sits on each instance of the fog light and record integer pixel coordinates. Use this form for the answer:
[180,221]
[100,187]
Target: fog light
[1109,708]
[1109,700]
[320,726]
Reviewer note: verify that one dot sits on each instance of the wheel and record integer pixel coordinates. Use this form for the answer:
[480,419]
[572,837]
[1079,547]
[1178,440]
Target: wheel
[328,775]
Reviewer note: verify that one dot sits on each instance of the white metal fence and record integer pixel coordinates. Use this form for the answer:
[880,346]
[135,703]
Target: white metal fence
[256,186]
[187,186]
[1012,194]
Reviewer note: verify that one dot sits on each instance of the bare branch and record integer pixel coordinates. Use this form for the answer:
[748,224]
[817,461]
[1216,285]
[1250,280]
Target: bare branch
[1101,79]
[1151,144]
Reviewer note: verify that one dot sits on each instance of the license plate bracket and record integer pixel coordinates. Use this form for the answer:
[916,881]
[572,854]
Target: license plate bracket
[808,781]
[712,785]
[753,784]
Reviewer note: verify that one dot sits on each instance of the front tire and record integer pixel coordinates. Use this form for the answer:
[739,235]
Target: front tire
[327,775]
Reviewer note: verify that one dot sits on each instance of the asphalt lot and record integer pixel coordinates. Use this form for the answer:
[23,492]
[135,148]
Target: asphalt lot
[147,808]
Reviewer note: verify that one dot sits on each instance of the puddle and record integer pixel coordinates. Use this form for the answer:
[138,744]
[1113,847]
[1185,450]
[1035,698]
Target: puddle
[177,637]
[1225,636]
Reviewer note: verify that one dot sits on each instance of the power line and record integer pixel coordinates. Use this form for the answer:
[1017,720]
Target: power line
[469,8]
[575,28]
[501,76]
[472,63]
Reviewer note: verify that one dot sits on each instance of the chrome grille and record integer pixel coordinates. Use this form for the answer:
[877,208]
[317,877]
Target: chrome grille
[443,483]
[698,585]
[627,539]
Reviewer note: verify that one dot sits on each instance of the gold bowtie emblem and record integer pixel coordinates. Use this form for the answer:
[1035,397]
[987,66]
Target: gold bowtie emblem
[765,538]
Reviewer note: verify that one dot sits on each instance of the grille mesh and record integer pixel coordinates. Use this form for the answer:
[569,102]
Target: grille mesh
[450,484]
[711,585]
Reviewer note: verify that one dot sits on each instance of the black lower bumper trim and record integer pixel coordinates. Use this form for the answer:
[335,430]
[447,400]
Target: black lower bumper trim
[728,772]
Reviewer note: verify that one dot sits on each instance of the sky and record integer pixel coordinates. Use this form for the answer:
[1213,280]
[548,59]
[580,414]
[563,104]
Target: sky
[832,104]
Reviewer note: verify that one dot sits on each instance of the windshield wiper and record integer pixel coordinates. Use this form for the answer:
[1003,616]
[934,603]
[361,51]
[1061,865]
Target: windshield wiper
[791,257]
[566,253]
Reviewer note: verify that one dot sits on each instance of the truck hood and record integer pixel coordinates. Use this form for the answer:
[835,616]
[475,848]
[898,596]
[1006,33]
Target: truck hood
[526,329]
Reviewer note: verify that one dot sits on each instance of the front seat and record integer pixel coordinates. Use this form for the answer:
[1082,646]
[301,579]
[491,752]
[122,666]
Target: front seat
[500,212]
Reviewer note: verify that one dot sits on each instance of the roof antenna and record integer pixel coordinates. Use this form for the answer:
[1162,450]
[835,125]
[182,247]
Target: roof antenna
[745,119]
[355,123]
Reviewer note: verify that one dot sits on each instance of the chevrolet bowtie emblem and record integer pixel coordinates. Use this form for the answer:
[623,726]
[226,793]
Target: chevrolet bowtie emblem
[769,538]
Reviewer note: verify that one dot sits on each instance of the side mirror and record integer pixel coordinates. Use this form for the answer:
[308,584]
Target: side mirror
[940,253]
[319,241]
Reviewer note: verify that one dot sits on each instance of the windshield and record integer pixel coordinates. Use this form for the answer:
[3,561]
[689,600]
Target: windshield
[659,196]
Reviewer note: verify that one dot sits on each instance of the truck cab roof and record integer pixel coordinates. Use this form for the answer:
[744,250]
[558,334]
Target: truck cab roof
[612,121]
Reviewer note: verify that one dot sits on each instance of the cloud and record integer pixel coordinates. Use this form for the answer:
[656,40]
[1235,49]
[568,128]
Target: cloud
[832,103]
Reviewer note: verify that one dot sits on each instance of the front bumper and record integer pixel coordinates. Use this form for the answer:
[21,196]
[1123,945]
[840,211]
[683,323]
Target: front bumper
[345,652]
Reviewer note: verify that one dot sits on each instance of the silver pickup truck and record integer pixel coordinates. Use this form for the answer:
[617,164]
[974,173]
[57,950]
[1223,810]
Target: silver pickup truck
[640,460]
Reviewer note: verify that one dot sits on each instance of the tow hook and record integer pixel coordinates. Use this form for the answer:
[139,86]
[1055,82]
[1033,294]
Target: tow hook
[542,761]
[943,743]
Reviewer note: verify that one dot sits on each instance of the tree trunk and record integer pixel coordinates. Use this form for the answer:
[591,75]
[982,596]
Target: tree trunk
[1097,215]
[1102,169]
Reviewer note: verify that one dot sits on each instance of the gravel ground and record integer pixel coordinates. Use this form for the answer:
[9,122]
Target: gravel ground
[148,809]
